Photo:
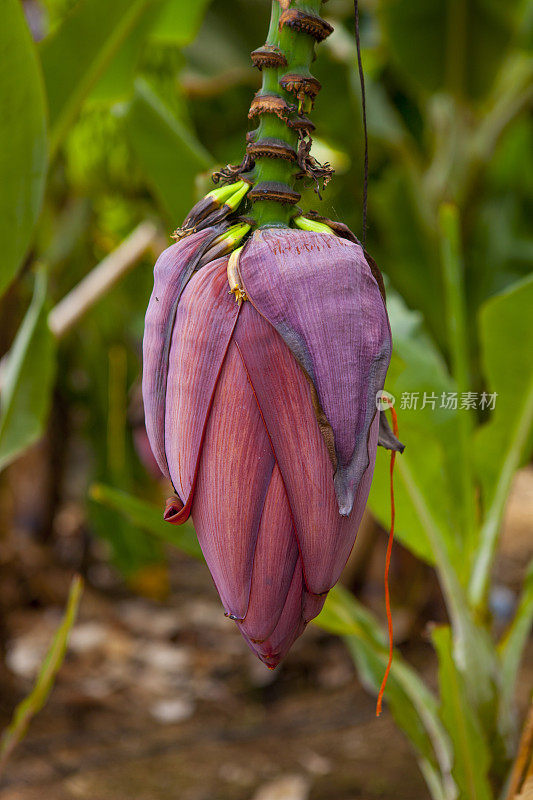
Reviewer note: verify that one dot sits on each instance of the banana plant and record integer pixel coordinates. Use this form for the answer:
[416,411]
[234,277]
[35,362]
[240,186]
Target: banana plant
[463,91]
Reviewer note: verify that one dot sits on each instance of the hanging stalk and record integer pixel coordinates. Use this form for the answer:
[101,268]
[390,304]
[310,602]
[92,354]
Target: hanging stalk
[278,151]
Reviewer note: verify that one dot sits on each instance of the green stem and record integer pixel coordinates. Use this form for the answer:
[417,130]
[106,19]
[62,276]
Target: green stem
[270,126]
[298,49]
[452,272]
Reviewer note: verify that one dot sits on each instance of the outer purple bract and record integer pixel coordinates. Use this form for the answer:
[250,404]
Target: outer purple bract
[263,415]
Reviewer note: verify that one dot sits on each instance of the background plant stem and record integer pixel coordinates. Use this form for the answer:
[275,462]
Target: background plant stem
[455,310]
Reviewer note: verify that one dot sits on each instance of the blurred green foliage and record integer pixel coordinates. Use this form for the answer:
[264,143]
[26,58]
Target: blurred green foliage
[32,704]
[138,101]
[23,156]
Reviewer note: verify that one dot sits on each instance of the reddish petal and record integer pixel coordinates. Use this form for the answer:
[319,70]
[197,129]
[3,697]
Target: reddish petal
[282,392]
[205,319]
[171,273]
[312,605]
[319,293]
[275,558]
[233,481]
[289,627]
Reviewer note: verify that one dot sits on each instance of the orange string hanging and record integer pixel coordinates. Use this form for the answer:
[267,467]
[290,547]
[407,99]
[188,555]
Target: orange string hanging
[387,565]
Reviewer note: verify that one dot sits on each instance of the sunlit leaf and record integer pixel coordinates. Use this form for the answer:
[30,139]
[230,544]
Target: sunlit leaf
[179,21]
[23,139]
[28,379]
[420,382]
[504,443]
[76,55]
[507,359]
[444,44]
[427,511]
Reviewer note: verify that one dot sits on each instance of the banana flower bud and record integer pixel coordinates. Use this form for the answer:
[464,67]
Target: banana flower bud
[261,370]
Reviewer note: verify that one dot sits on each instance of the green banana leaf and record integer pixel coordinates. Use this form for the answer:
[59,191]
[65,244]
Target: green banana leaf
[23,154]
[28,379]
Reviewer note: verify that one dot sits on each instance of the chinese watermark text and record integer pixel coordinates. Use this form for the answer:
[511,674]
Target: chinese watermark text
[453,401]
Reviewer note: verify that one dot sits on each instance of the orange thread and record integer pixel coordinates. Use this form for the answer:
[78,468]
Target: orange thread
[387,564]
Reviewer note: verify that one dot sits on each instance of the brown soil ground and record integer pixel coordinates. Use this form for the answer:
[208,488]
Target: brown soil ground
[161,700]
[165,701]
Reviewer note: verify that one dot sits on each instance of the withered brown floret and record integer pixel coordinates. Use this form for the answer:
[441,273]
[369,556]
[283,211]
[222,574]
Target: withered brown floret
[300,85]
[268,56]
[274,190]
[233,172]
[298,20]
[270,104]
[301,123]
[269,147]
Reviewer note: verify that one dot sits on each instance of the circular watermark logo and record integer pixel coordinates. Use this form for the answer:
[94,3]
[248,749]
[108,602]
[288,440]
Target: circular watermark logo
[384,400]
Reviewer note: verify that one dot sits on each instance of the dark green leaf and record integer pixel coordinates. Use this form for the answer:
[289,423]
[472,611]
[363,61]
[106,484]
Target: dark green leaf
[449,44]
[116,83]
[405,217]
[167,150]
[28,379]
[149,518]
[23,139]
[132,550]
